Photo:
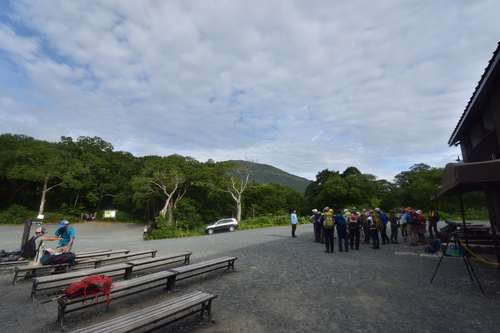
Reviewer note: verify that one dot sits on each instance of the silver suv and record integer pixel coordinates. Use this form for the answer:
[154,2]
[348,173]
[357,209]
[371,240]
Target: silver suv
[224,224]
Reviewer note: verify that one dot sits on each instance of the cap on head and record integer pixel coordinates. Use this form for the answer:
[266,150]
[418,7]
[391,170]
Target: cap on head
[314,210]
[377,209]
[63,223]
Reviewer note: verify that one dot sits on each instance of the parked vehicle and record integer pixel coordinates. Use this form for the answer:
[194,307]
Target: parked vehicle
[223,224]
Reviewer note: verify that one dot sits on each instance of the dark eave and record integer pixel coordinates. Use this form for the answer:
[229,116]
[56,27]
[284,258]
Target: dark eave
[492,64]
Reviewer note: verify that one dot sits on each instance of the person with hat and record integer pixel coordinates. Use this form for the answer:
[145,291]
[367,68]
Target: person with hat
[328,229]
[341,225]
[373,229]
[318,225]
[354,230]
[66,236]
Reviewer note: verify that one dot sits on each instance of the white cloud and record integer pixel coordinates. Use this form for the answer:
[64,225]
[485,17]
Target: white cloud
[300,85]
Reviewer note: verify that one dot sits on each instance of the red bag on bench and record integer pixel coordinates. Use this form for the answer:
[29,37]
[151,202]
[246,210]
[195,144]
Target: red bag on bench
[94,284]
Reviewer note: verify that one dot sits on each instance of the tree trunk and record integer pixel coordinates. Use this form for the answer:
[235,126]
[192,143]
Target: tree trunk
[76,199]
[163,211]
[44,193]
[238,210]
[171,217]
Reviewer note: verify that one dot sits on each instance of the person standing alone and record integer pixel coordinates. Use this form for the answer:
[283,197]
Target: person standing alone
[293,221]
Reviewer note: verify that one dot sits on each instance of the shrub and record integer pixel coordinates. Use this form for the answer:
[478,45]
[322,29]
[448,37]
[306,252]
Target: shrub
[173,232]
[16,214]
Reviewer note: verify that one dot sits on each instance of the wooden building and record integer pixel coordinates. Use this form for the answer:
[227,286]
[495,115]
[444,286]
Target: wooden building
[478,134]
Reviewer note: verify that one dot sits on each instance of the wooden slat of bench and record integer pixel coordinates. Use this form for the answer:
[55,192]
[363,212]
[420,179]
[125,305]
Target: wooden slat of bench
[202,264]
[103,254]
[82,273]
[93,252]
[151,253]
[120,286]
[150,315]
[146,261]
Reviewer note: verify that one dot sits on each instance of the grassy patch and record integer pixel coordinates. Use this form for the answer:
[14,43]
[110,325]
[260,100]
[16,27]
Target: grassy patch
[173,232]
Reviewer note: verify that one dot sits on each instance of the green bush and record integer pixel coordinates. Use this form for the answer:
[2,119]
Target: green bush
[265,221]
[16,214]
[173,232]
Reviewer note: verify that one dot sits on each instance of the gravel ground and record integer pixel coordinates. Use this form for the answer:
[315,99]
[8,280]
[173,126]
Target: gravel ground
[285,284]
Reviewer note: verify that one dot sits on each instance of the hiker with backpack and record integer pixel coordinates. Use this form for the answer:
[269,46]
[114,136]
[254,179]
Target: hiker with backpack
[354,230]
[341,224]
[433,221]
[373,228]
[317,221]
[328,229]
[394,227]
[29,250]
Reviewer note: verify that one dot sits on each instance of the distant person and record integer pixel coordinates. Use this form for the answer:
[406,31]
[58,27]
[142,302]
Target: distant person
[354,230]
[421,227]
[403,222]
[413,227]
[328,229]
[382,225]
[66,236]
[341,225]
[433,221]
[293,221]
[364,223]
[317,224]
[373,229]
[393,218]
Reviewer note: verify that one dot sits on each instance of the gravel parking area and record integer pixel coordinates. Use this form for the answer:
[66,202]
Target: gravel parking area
[285,284]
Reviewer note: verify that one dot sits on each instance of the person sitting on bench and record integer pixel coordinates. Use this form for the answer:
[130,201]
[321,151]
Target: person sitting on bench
[29,249]
[65,235]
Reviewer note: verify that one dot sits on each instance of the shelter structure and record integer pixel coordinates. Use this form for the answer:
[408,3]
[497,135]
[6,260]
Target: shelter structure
[478,134]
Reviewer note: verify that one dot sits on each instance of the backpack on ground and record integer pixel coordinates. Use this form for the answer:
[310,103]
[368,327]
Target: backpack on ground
[91,285]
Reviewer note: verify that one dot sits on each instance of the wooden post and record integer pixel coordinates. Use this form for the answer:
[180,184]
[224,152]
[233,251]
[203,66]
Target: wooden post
[26,232]
[462,211]
[493,196]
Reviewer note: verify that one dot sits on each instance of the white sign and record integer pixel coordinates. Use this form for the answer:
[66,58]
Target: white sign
[110,214]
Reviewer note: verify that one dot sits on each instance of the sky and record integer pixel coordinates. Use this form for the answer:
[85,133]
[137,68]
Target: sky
[301,85]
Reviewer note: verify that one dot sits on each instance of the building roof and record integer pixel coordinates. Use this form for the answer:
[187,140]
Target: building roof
[492,66]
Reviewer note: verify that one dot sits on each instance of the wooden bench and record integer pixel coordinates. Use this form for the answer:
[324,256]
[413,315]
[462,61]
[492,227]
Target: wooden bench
[59,281]
[185,272]
[100,261]
[120,289]
[11,264]
[157,315]
[33,270]
[82,259]
[160,261]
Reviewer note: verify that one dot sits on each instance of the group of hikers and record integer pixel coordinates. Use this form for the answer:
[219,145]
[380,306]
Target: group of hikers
[370,225]
[34,248]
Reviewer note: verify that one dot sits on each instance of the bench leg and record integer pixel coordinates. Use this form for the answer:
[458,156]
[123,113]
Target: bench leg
[231,264]
[60,315]
[15,277]
[170,283]
[203,309]
[153,254]
[33,291]
[128,273]
[209,310]
[186,259]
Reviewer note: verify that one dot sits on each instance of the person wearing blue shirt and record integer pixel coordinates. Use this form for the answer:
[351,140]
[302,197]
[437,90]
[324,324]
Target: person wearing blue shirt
[341,224]
[66,236]
[293,221]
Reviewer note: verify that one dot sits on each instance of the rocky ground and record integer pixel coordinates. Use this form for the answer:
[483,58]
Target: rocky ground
[285,284]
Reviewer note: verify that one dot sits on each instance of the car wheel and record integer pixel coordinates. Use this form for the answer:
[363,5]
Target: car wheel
[210,231]
[231,228]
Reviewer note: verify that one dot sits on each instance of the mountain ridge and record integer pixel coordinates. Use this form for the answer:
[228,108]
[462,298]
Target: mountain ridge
[265,173]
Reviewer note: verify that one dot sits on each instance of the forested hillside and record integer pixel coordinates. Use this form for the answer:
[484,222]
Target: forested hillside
[263,174]
[86,175]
